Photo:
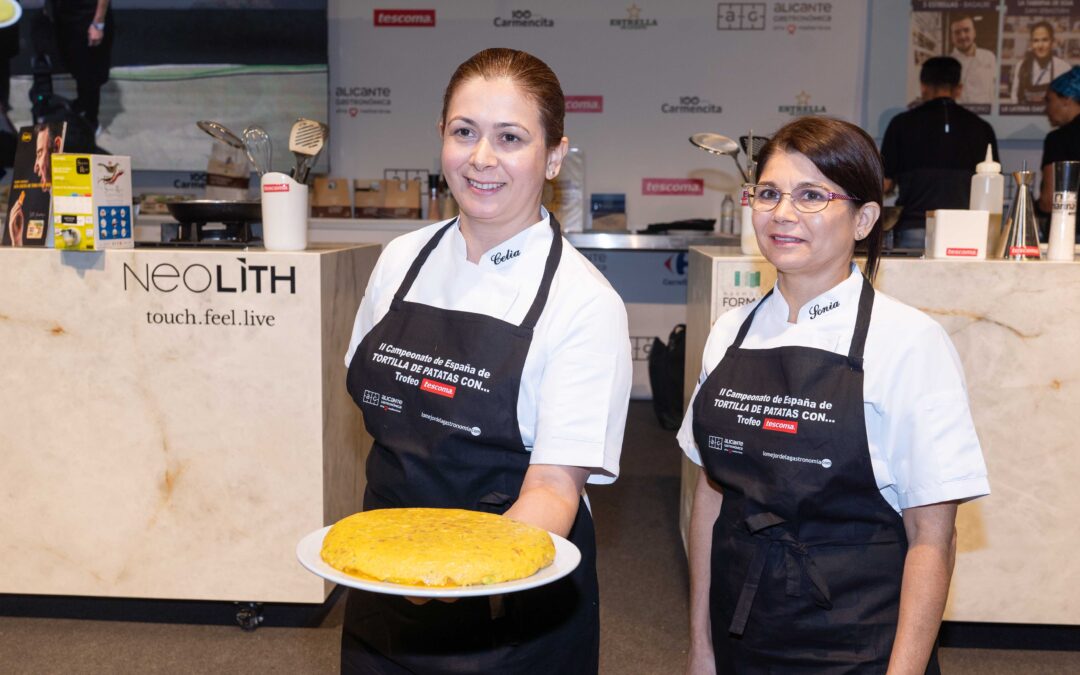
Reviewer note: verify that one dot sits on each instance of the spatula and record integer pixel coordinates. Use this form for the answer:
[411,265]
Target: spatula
[306,141]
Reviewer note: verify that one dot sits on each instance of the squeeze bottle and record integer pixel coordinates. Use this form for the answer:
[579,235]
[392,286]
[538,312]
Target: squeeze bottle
[988,193]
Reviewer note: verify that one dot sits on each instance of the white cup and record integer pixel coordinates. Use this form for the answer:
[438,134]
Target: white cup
[284,213]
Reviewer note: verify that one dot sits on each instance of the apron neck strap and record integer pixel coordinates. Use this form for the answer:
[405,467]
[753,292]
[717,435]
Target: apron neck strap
[862,324]
[858,338]
[745,327]
[421,258]
[554,255]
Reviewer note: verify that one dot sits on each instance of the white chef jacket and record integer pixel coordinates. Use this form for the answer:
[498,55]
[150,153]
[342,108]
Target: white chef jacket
[978,74]
[922,440]
[575,386]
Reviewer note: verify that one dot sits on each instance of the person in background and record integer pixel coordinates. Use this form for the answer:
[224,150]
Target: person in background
[835,438]
[500,289]
[930,151]
[1031,76]
[1063,142]
[84,33]
[979,65]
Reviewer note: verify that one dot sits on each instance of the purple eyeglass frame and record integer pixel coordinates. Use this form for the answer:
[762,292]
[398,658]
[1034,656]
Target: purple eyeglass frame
[832,196]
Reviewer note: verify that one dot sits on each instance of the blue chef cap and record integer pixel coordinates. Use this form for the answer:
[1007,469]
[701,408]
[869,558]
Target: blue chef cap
[1068,84]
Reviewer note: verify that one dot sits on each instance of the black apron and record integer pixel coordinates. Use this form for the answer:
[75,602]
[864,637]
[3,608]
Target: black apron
[807,556]
[439,392]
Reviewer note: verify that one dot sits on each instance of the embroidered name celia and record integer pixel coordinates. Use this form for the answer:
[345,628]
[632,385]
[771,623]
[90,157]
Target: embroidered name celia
[818,310]
[498,258]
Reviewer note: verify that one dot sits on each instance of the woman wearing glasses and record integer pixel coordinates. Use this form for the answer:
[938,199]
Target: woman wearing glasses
[833,430]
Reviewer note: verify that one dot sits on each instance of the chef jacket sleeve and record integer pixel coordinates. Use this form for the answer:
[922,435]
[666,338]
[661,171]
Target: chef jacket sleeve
[365,315]
[720,338]
[585,390]
[927,430]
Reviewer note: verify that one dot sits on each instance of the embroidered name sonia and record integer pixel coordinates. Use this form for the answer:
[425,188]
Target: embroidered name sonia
[818,310]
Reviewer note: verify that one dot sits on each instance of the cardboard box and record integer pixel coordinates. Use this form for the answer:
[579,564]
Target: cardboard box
[400,199]
[91,202]
[367,198]
[956,234]
[332,198]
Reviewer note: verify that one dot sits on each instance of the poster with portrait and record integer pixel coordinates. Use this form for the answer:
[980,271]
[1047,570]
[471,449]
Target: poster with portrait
[966,30]
[30,197]
[1039,41]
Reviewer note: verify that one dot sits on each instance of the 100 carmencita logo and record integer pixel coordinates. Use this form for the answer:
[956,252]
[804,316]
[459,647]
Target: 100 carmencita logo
[198,278]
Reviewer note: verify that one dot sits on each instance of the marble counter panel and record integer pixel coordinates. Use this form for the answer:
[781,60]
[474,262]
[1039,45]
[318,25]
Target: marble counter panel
[173,421]
[1015,327]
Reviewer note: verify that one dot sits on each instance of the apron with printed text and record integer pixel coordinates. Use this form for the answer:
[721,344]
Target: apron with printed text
[807,555]
[439,391]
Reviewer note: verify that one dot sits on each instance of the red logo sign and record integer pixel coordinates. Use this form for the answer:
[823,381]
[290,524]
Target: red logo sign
[276,187]
[962,252]
[435,387]
[1024,250]
[785,426]
[584,104]
[672,186]
[405,18]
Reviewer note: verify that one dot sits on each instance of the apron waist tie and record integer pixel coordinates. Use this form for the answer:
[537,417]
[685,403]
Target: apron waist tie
[797,563]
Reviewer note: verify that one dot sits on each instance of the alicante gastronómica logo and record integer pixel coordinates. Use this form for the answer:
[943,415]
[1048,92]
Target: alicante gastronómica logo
[633,20]
[355,99]
[523,18]
[691,105]
[802,107]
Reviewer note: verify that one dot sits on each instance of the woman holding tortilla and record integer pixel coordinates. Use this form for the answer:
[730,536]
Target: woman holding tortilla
[500,293]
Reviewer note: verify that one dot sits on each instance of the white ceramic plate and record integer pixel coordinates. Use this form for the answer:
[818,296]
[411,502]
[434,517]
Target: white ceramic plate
[567,557]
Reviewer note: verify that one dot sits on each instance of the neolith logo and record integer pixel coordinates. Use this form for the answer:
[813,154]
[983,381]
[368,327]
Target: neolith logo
[198,278]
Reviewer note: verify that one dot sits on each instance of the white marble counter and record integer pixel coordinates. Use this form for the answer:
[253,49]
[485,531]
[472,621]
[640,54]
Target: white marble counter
[1015,326]
[173,421]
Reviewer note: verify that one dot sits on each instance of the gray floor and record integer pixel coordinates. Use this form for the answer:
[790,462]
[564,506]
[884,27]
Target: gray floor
[643,586]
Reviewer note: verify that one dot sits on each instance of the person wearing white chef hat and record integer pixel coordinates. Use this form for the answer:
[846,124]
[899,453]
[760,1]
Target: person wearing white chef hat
[835,439]
[525,392]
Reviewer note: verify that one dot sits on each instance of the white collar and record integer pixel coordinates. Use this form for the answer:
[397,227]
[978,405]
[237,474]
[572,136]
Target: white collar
[838,305]
[525,245]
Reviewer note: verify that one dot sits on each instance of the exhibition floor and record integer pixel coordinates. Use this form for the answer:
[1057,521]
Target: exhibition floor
[643,589]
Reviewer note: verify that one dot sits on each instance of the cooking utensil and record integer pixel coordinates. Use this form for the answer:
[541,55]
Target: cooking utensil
[306,141]
[259,148]
[215,211]
[221,133]
[751,146]
[715,144]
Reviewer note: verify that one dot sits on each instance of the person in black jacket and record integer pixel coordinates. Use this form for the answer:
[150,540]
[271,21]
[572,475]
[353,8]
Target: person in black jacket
[84,32]
[1063,143]
[930,151]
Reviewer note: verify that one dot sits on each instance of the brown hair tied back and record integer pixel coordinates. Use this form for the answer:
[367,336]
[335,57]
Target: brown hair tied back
[843,153]
[528,72]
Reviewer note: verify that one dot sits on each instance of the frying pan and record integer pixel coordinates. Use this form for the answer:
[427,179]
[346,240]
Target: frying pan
[215,211]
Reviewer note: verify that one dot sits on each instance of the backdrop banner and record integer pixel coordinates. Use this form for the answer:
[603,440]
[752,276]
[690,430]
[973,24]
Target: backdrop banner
[640,78]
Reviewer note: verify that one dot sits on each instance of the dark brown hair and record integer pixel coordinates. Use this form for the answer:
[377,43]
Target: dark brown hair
[528,72]
[846,155]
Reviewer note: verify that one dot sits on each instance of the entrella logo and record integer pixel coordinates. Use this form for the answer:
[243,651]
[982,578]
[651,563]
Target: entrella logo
[691,105]
[802,106]
[633,20]
[522,18]
[405,18]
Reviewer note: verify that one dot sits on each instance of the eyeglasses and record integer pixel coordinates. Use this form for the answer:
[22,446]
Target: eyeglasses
[807,199]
